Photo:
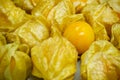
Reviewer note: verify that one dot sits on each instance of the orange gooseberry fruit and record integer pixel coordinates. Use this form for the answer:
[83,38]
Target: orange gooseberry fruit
[80,34]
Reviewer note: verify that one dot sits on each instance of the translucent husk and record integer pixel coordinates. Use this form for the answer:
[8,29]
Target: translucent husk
[71,19]
[15,64]
[2,40]
[33,32]
[54,11]
[55,58]
[11,17]
[100,31]
[24,4]
[100,62]
[115,37]
[43,7]
[101,15]
[115,4]
[60,11]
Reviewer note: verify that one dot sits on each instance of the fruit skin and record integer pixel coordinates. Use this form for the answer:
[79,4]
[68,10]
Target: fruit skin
[80,34]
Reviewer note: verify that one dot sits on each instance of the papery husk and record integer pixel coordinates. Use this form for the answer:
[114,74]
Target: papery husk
[105,15]
[43,7]
[33,32]
[102,14]
[2,40]
[14,64]
[115,37]
[5,23]
[100,62]
[71,19]
[115,4]
[11,17]
[60,11]
[102,1]
[24,4]
[11,38]
[78,5]
[100,31]
[35,2]
[54,11]
[55,58]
